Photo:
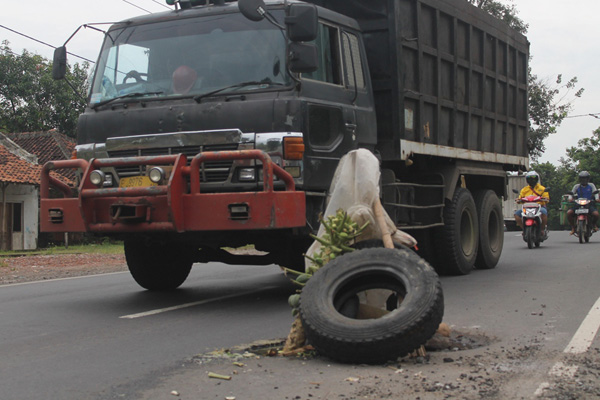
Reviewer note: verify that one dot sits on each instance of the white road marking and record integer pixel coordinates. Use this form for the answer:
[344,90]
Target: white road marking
[62,279]
[192,304]
[580,343]
[586,333]
[540,390]
[561,369]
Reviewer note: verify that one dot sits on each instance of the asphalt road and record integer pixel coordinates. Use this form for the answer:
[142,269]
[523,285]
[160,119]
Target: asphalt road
[103,337]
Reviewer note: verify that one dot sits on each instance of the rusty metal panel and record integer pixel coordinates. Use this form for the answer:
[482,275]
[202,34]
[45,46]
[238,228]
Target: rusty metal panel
[71,220]
[267,210]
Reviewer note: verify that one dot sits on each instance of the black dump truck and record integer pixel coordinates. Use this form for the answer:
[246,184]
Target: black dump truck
[220,124]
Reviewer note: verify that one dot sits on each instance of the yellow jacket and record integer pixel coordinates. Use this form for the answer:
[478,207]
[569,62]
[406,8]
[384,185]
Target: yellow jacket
[538,190]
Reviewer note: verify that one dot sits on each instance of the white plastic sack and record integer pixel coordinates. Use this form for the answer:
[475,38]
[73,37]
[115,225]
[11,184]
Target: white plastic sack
[354,188]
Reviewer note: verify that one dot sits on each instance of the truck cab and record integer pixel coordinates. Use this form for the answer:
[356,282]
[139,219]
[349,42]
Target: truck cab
[224,81]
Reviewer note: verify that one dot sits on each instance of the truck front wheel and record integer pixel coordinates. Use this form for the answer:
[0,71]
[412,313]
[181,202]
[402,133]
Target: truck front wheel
[158,265]
[459,238]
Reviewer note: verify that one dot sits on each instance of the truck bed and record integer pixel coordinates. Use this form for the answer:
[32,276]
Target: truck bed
[449,80]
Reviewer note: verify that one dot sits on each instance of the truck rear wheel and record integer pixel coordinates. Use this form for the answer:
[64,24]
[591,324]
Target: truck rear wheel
[158,265]
[459,238]
[491,230]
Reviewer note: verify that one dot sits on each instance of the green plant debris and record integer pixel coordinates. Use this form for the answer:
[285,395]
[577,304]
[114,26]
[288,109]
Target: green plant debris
[339,235]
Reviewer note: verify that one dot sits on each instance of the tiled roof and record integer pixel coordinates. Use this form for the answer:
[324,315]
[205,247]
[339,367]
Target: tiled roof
[47,146]
[14,169]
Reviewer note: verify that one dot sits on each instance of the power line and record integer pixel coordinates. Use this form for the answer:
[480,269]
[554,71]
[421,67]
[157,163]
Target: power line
[136,6]
[44,43]
[161,4]
[594,115]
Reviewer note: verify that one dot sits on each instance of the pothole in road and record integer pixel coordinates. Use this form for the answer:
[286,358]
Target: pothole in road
[457,341]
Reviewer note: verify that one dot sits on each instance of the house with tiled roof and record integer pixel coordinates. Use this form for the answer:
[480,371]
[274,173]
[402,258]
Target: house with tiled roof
[47,146]
[19,193]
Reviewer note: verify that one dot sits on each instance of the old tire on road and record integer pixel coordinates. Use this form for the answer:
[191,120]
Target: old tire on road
[158,265]
[375,340]
[459,237]
[491,229]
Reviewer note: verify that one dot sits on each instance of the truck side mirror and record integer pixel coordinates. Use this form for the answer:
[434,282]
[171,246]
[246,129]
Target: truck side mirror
[302,22]
[303,57]
[59,65]
[254,10]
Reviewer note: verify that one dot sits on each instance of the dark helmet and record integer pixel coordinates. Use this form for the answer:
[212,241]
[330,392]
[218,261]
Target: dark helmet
[532,178]
[584,178]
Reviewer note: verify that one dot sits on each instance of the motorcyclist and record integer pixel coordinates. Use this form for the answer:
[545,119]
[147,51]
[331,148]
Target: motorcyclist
[534,188]
[584,189]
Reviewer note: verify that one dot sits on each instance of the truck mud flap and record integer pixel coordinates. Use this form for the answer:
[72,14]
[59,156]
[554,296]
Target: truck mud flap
[177,206]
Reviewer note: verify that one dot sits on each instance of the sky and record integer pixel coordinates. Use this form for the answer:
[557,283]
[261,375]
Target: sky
[563,38]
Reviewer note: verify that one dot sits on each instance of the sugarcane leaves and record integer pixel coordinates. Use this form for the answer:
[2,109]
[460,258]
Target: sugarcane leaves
[340,233]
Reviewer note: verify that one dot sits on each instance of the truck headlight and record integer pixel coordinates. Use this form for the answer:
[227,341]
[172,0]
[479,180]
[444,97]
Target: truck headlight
[247,175]
[97,177]
[156,174]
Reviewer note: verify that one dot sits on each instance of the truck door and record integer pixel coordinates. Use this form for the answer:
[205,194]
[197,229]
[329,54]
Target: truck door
[330,97]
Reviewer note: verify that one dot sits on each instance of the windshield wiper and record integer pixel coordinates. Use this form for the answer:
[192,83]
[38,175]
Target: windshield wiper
[266,81]
[124,96]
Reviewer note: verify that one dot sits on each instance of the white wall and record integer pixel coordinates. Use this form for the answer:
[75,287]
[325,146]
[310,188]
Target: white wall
[27,195]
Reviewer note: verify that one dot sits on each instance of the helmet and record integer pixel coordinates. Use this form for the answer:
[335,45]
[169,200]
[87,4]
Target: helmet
[532,178]
[584,177]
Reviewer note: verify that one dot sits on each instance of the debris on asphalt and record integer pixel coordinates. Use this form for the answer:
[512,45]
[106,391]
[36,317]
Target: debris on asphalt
[219,376]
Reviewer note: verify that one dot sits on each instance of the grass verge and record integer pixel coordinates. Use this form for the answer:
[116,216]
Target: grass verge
[101,248]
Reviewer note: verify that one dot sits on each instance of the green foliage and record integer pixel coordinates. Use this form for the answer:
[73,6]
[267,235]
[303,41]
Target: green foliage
[549,105]
[30,100]
[504,12]
[340,232]
[561,179]
[584,157]
[102,248]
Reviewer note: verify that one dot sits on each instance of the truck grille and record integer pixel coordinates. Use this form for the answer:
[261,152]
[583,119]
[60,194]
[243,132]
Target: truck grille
[217,171]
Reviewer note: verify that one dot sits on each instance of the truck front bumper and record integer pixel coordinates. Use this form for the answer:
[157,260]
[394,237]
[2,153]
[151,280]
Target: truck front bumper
[177,206]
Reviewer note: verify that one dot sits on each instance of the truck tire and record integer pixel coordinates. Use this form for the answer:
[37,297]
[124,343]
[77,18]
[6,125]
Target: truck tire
[376,340]
[491,229]
[158,266]
[459,237]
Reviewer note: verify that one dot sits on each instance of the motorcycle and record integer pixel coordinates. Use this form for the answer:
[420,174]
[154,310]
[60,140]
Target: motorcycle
[532,219]
[584,228]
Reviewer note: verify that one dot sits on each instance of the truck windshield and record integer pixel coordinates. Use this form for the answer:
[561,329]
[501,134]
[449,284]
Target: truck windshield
[190,57]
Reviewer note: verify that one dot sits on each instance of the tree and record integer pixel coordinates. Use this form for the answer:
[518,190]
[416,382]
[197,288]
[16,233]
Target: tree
[549,102]
[584,157]
[30,100]
[503,12]
[549,105]
[561,179]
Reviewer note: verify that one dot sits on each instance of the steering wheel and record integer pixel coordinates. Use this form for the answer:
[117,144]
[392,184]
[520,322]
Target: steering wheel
[138,76]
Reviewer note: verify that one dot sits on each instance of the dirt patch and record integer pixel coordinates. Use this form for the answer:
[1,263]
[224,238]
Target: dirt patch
[36,268]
